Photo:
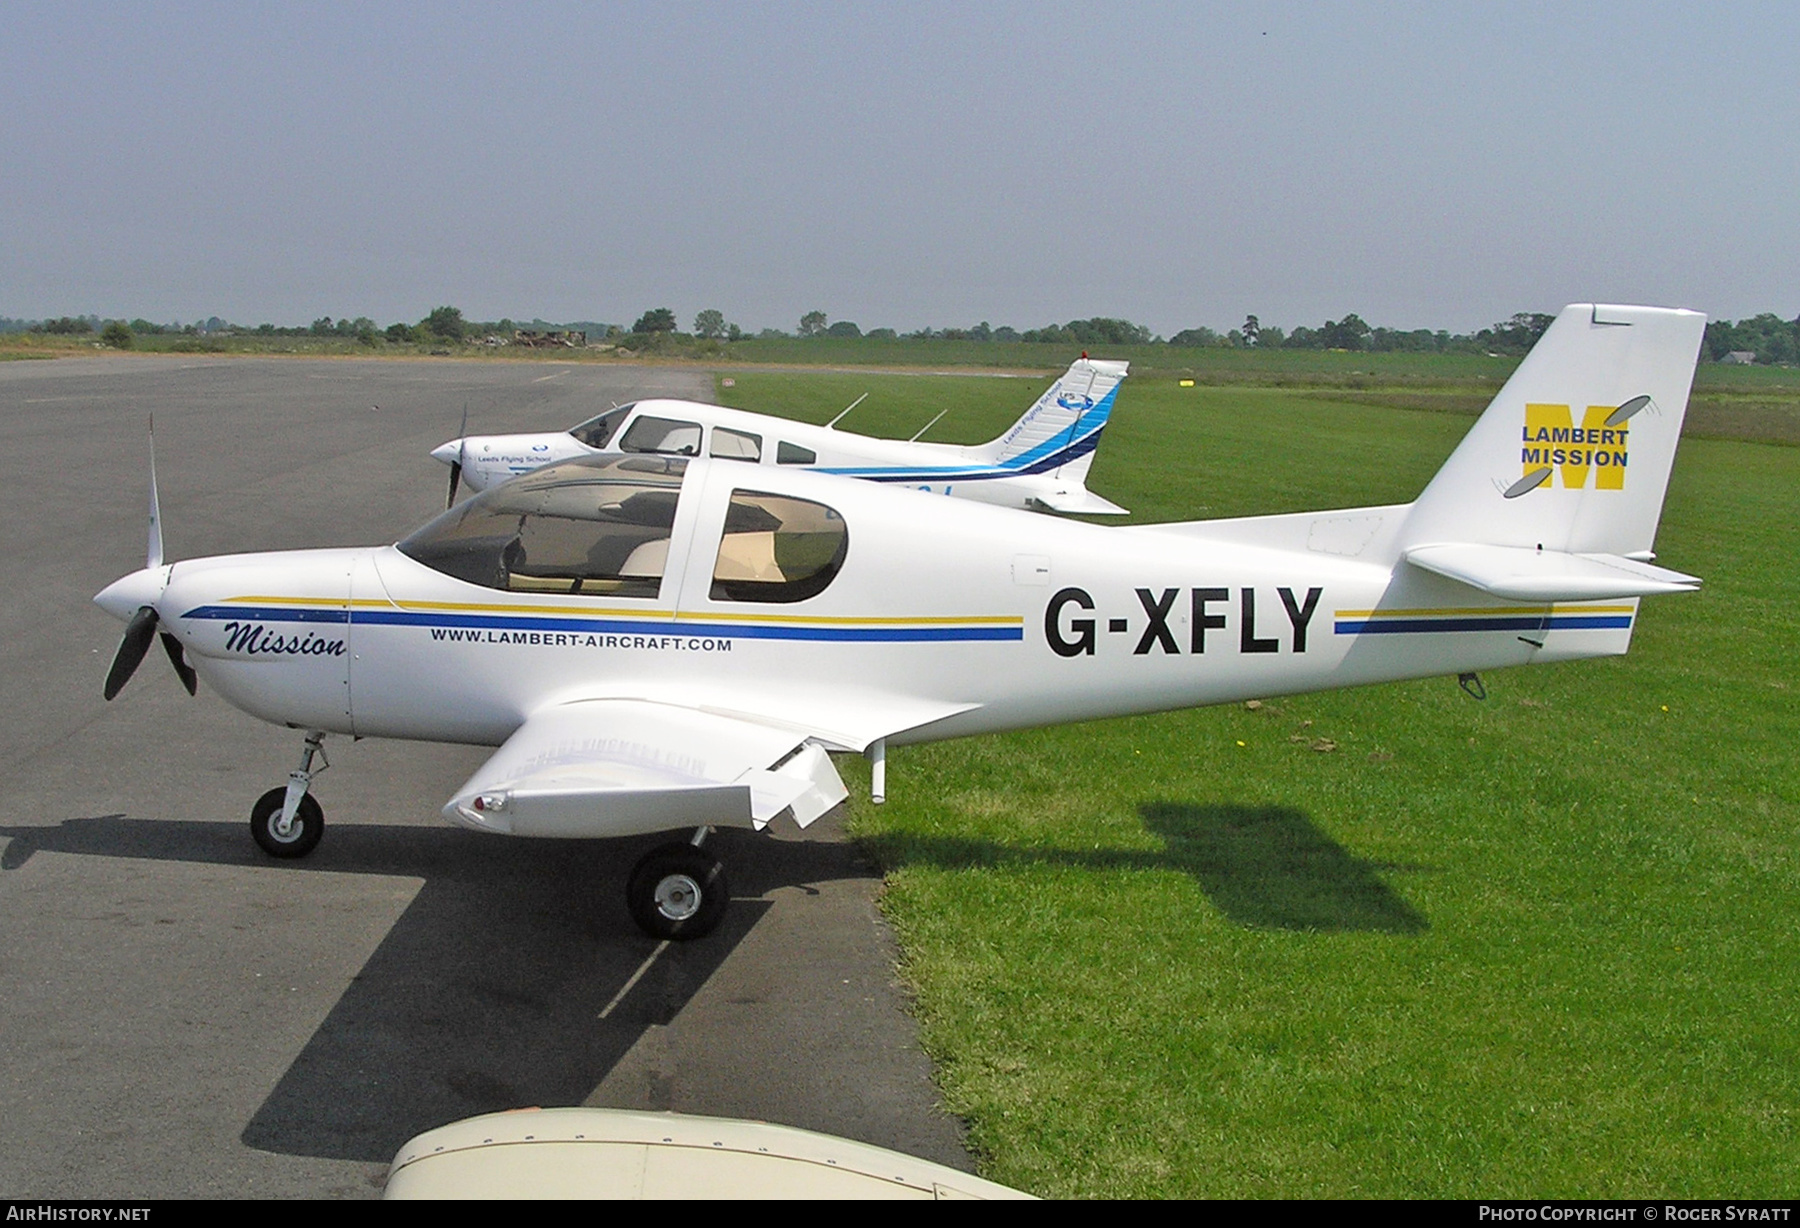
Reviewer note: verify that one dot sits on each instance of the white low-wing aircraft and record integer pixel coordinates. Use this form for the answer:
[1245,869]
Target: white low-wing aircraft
[1039,462]
[659,643]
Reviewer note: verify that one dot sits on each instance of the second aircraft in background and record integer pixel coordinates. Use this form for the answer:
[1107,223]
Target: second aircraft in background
[1040,462]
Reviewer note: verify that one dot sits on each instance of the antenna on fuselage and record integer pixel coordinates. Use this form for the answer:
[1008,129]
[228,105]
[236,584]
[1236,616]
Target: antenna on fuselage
[927,426]
[858,401]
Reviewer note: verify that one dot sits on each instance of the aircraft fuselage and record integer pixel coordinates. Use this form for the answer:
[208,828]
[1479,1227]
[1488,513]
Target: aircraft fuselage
[972,619]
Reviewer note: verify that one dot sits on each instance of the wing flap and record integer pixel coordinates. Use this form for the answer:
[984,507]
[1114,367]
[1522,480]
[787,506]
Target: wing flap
[1518,573]
[619,767]
[806,783]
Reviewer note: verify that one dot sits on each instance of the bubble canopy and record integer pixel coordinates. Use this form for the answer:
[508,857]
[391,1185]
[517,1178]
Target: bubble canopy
[598,525]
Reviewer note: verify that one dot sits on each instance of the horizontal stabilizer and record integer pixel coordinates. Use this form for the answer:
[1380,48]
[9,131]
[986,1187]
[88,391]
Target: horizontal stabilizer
[1078,501]
[1519,573]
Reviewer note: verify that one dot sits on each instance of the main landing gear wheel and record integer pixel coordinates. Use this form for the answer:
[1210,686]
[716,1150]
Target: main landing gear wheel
[303,835]
[677,891]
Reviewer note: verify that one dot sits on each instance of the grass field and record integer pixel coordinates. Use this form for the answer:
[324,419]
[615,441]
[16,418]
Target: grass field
[1384,942]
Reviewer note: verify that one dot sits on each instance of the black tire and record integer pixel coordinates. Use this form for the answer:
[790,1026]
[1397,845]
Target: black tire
[303,838]
[677,891]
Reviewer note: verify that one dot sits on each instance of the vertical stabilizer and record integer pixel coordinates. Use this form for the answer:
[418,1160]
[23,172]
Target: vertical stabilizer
[1059,433]
[1574,453]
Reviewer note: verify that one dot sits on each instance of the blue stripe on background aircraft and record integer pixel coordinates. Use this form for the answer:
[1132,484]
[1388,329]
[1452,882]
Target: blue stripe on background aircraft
[1040,462]
[669,642]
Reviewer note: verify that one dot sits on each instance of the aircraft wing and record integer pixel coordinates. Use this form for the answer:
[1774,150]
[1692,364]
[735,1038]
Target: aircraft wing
[620,767]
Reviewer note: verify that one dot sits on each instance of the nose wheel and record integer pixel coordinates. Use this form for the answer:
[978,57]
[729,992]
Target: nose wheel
[302,835]
[677,891]
[287,822]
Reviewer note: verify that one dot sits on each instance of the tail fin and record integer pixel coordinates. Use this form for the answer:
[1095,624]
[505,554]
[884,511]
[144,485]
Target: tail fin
[1059,433]
[1574,453]
[1556,491]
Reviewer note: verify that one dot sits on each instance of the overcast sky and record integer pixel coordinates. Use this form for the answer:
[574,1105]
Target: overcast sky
[1440,165]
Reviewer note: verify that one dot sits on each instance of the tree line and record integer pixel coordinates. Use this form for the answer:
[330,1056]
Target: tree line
[1767,336]
[1764,338]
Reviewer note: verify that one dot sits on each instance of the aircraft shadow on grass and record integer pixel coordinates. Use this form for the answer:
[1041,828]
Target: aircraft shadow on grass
[1264,867]
[1269,867]
[489,992]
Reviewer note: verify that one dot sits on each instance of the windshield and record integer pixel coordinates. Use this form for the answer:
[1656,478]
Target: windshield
[598,525]
[595,432]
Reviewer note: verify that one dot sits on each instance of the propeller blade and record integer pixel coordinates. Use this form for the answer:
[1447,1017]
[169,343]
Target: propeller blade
[178,659]
[462,434]
[138,633]
[154,555]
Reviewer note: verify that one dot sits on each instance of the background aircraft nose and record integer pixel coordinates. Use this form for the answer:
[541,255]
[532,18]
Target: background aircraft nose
[128,594]
[451,454]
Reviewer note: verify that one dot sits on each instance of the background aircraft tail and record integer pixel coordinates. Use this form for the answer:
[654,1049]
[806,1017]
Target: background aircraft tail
[1556,492]
[1059,433]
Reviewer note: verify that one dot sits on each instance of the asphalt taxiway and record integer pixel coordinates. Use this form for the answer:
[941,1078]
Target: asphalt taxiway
[181,1016]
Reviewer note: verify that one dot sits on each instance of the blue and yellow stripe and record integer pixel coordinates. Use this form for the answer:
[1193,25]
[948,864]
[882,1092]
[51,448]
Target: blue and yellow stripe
[490,616]
[1484,618]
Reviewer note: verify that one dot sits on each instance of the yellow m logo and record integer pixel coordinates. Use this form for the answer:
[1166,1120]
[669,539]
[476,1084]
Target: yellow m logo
[1551,439]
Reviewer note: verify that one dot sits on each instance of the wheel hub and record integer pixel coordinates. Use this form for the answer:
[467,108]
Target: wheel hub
[677,897]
